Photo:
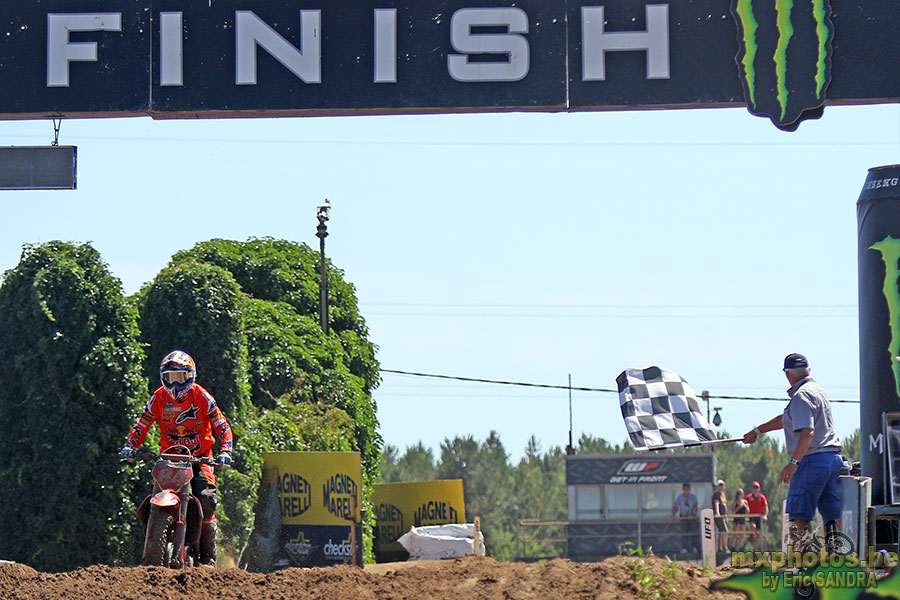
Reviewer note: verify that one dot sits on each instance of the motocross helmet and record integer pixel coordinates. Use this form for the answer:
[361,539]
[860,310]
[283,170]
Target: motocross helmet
[177,373]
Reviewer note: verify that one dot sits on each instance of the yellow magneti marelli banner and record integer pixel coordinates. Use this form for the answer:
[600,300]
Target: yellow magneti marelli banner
[399,506]
[314,488]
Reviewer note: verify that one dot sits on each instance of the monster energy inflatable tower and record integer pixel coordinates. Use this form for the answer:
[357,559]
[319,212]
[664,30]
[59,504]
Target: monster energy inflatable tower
[878,224]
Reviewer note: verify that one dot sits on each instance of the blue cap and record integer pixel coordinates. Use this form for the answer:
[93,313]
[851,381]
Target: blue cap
[795,361]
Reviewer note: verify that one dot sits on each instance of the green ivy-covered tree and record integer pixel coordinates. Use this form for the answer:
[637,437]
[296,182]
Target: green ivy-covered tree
[198,308]
[288,352]
[283,271]
[70,384]
[246,312]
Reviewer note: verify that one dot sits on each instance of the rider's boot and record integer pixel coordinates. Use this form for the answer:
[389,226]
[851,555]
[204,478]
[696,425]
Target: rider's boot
[208,543]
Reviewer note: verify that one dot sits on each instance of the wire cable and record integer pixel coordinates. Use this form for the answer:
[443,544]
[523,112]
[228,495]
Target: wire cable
[579,388]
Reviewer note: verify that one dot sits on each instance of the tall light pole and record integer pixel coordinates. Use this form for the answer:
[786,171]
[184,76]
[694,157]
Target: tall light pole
[322,213]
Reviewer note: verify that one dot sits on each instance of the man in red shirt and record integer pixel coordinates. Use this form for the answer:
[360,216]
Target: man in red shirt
[759,512]
[187,415]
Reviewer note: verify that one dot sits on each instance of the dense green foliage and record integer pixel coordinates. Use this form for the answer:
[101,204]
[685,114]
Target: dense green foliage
[286,346]
[282,271]
[198,308]
[76,377]
[70,384]
[502,493]
[247,313]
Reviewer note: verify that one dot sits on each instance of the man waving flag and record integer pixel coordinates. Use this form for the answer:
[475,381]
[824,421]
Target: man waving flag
[661,410]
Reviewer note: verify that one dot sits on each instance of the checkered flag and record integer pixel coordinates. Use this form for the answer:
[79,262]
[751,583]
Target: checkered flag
[661,410]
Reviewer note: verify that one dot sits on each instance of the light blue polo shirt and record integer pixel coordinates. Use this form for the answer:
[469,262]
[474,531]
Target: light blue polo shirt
[687,505]
[809,407]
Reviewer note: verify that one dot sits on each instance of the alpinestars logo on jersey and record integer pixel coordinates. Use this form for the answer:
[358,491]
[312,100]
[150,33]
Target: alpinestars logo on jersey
[188,413]
[784,57]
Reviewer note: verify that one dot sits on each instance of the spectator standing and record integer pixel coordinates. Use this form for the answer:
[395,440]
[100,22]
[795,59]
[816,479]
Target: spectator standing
[720,509]
[813,472]
[685,509]
[739,507]
[759,513]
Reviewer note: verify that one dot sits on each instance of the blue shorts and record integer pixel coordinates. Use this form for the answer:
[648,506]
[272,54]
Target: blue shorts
[816,485]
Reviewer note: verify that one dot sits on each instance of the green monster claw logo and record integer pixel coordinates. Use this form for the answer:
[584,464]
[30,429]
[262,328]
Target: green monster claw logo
[784,57]
[890,254]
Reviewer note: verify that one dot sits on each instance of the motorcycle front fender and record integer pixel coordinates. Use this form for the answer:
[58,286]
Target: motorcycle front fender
[165,498]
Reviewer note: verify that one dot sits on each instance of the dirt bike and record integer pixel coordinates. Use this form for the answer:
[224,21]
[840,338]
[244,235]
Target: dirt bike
[171,515]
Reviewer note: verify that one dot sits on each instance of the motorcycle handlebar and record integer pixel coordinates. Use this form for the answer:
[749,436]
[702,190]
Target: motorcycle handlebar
[194,460]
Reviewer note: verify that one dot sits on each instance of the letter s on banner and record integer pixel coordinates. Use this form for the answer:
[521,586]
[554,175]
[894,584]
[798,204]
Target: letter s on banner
[468,42]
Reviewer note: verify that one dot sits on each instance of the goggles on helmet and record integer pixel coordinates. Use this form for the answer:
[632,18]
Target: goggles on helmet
[175,377]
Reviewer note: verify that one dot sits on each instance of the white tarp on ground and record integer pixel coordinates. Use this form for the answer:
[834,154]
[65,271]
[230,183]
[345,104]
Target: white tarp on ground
[442,541]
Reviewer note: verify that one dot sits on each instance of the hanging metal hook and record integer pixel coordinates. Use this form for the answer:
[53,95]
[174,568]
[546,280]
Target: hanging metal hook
[57,123]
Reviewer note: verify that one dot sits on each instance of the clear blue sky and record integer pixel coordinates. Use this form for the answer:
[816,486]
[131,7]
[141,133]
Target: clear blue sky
[514,246]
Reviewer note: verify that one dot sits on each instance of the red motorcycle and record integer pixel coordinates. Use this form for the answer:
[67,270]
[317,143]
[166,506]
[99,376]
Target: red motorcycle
[171,515]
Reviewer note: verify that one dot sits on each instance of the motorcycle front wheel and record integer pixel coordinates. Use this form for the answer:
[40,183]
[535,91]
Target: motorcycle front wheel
[158,550]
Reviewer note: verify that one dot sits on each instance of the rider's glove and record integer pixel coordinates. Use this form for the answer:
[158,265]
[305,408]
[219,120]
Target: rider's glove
[128,453]
[224,460]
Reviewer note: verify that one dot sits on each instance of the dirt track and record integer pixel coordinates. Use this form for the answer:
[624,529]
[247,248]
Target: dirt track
[465,578]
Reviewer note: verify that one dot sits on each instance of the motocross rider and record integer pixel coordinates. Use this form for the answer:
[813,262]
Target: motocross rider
[187,415]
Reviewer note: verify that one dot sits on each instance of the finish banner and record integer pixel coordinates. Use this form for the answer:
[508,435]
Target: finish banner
[399,506]
[319,498]
[167,58]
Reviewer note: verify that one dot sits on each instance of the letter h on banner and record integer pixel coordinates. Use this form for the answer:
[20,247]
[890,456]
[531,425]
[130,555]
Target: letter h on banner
[597,42]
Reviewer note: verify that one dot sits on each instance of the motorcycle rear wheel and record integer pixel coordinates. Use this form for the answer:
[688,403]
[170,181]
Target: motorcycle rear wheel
[158,552]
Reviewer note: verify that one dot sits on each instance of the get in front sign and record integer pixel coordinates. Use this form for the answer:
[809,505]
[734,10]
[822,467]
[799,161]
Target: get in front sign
[641,471]
[783,59]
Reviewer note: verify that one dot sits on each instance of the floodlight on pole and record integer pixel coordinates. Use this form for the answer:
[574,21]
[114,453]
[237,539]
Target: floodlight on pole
[323,213]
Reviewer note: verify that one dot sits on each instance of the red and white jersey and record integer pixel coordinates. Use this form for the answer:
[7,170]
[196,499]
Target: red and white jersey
[189,423]
[757,503]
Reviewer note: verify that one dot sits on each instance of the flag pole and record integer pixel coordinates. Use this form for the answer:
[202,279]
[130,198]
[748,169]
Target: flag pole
[722,441]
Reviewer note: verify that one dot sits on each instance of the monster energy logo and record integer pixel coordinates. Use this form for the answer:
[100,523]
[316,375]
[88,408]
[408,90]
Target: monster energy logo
[890,254]
[784,57]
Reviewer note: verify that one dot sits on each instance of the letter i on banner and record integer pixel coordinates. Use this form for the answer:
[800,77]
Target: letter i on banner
[707,538]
